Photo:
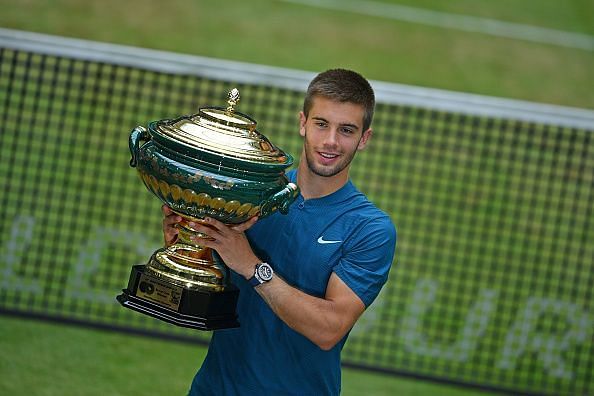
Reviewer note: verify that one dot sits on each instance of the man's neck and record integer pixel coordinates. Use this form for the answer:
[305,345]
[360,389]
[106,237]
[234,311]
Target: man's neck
[312,185]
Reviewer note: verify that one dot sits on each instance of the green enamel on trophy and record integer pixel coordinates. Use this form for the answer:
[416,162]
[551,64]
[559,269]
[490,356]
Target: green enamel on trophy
[210,164]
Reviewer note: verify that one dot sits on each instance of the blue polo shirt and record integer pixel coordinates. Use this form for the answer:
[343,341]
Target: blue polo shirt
[342,233]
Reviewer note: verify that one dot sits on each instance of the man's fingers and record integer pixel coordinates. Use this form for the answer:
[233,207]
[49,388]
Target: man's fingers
[170,232]
[170,235]
[205,229]
[213,231]
[245,225]
[215,223]
[220,226]
[171,220]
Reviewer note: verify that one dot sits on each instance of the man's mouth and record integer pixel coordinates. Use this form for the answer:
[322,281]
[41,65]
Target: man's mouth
[328,155]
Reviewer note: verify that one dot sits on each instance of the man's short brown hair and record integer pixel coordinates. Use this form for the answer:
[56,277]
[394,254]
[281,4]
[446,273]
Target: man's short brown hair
[342,85]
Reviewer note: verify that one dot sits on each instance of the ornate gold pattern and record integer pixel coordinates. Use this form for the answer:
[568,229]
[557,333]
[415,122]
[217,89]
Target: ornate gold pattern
[212,206]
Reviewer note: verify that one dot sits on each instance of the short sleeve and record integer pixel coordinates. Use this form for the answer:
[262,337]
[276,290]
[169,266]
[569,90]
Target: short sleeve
[367,259]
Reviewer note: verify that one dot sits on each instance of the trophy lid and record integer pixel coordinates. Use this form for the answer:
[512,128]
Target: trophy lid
[223,135]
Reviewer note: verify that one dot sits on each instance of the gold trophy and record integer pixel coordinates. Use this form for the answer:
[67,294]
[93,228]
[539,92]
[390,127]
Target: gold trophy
[210,164]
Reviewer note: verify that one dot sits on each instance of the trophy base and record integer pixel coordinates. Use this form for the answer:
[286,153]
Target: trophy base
[196,309]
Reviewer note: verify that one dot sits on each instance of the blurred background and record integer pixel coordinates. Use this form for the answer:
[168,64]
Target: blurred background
[501,213]
[314,36]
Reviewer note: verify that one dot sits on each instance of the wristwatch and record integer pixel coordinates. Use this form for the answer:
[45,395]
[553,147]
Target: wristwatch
[262,274]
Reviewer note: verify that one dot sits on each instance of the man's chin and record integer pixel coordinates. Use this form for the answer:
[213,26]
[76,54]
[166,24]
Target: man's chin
[324,171]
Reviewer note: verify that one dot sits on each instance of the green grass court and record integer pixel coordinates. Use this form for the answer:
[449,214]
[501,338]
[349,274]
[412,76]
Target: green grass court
[48,359]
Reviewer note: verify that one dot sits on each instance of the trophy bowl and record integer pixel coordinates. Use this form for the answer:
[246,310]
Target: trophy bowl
[211,164]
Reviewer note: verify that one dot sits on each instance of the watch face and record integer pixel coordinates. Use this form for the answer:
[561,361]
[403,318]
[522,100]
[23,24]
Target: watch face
[264,272]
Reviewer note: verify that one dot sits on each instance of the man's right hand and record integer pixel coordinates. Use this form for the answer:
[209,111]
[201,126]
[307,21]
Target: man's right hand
[170,231]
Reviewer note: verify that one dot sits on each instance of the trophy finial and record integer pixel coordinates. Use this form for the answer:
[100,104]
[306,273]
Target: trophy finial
[233,100]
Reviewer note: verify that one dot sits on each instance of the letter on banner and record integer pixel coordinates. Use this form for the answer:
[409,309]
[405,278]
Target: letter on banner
[469,336]
[90,260]
[524,337]
[21,236]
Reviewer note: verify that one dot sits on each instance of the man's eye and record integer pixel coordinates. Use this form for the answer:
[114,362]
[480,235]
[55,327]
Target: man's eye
[347,131]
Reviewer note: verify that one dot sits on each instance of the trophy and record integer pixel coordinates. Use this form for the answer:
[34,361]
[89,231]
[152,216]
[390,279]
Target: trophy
[210,164]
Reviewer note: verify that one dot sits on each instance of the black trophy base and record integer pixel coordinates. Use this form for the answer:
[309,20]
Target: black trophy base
[171,303]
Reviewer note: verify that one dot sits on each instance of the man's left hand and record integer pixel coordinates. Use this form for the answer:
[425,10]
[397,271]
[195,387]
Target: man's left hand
[230,243]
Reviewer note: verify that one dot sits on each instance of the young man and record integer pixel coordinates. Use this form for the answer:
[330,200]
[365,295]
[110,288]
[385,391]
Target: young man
[330,256]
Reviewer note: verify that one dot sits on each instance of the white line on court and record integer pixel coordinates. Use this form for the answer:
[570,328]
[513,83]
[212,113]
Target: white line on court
[467,23]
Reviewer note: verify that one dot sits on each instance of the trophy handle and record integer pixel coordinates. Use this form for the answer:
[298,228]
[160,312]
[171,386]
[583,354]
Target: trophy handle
[281,200]
[138,135]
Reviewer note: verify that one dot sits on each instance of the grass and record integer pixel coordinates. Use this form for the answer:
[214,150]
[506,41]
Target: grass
[289,35]
[476,208]
[46,359]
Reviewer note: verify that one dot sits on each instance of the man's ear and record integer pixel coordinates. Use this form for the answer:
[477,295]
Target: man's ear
[364,139]
[302,121]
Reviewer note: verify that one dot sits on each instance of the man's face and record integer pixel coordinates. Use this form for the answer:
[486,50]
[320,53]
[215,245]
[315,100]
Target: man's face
[333,133]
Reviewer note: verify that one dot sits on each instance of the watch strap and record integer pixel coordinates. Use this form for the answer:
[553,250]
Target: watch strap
[254,281]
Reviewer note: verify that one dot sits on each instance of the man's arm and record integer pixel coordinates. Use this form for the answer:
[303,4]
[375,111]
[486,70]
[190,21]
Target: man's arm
[324,321]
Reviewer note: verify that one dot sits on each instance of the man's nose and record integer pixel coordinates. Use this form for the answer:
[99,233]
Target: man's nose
[331,138]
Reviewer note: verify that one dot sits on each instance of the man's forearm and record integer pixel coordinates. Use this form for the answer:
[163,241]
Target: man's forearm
[322,321]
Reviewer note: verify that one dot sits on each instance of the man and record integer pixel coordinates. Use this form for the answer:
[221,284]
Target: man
[330,256]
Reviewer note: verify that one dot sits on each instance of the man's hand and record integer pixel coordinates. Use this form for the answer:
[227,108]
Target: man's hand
[170,232]
[230,243]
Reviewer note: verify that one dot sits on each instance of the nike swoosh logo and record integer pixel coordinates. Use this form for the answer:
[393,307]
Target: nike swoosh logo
[322,241]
